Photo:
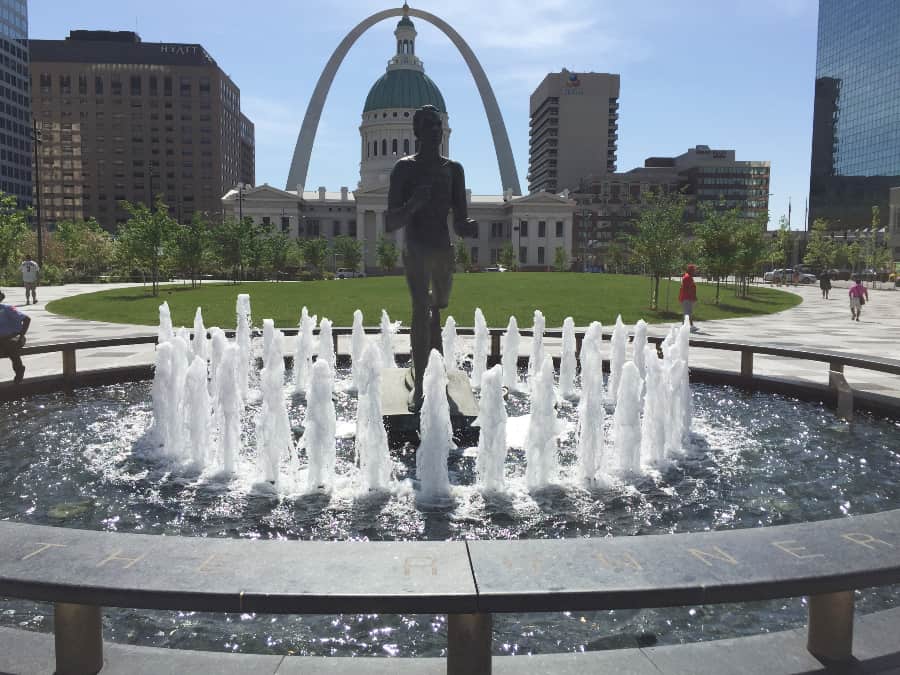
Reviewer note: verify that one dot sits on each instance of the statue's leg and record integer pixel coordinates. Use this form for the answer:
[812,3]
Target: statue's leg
[441,283]
[420,340]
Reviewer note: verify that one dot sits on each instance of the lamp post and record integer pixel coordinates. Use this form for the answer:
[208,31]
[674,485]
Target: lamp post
[240,187]
[585,215]
[35,141]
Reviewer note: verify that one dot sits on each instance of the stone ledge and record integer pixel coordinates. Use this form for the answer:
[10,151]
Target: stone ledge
[27,653]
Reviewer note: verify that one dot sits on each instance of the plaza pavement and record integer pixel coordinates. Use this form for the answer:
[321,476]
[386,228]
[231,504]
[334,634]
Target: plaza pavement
[815,323]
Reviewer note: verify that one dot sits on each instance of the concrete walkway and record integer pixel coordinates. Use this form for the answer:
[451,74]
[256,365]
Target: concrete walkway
[815,323]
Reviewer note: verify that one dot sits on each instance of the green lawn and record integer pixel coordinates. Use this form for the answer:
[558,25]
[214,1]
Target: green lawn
[584,297]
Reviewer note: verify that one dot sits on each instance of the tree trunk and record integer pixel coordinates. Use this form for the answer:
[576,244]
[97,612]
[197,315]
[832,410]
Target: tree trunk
[656,291]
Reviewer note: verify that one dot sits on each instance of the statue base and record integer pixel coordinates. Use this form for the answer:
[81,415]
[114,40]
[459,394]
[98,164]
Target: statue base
[403,426]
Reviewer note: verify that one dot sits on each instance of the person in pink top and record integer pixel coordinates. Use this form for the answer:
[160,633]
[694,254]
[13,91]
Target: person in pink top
[859,295]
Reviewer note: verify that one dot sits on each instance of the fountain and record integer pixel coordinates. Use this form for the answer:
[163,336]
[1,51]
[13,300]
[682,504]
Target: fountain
[243,340]
[449,344]
[190,454]
[480,351]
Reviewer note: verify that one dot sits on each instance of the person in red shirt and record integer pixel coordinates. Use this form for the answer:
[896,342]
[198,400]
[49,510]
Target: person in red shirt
[687,295]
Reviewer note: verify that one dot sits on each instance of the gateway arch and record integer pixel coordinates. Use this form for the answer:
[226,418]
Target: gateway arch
[302,151]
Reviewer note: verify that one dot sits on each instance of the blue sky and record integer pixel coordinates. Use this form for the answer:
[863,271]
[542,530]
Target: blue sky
[729,74]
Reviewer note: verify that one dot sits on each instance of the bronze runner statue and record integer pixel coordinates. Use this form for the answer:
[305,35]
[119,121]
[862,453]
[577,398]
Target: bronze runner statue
[424,188]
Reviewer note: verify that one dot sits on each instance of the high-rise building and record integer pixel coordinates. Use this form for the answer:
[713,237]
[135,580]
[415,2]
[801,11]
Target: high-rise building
[247,174]
[15,102]
[856,112]
[128,120]
[574,129]
[610,204]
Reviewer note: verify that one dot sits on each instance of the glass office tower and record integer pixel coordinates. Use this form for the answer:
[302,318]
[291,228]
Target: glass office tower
[856,112]
[15,101]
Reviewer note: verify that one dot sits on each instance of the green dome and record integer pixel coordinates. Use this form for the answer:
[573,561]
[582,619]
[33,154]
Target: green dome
[404,88]
[405,21]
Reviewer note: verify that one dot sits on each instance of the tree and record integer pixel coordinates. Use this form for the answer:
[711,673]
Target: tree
[658,239]
[387,254]
[350,251]
[13,230]
[235,239]
[191,243]
[717,234]
[507,257]
[258,247]
[820,247]
[278,252]
[463,259]
[751,250]
[315,253]
[86,248]
[839,257]
[782,244]
[560,259]
[145,236]
[855,256]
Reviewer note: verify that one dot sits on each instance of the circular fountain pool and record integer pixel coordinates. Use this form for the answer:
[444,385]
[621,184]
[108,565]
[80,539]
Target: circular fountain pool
[85,461]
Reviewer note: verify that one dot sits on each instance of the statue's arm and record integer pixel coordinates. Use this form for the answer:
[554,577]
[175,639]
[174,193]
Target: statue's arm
[400,211]
[462,224]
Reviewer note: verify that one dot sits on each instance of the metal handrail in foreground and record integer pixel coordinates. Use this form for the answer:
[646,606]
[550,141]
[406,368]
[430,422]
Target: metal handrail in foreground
[82,571]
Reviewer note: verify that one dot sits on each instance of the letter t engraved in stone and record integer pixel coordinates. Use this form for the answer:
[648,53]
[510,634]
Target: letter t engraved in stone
[43,548]
[115,555]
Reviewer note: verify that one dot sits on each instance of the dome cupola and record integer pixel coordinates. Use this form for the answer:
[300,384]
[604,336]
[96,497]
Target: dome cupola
[386,129]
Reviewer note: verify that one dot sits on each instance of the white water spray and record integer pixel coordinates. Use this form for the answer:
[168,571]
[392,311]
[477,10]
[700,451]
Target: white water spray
[165,324]
[274,442]
[492,447]
[321,423]
[436,432]
[536,360]
[510,357]
[242,337]
[542,464]
[448,344]
[616,358]
[387,340]
[303,353]
[371,437]
[627,421]
[197,412]
[200,343]
[357,346]
[228,407]
[567,364]
[480,352]
[326,344]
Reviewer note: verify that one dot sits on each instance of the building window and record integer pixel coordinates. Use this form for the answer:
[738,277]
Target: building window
[540,255]
[375,148]
[135,85]
[154,88]
[394,146]
[185,89]
[523,254]
[266,221]
[45,83]
[285,224]
[351,228]
[405,146]
[336,228]
[167,86]
[115,85]
[474,255]
[542,228]
[82,85]
[204,86]
[383,146]
[312,227]
[523,228]
[559,228]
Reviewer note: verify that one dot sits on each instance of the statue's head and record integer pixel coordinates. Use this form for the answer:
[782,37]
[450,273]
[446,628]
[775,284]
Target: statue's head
[427,125]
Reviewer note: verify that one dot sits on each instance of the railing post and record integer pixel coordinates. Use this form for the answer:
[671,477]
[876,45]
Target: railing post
[495,347]
[469,644]
[746,363]
[68,364]
[844,393]
[836,366]
[831,626]
[79,639]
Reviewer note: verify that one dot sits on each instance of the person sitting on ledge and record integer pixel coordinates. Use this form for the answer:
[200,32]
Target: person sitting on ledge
[13,326]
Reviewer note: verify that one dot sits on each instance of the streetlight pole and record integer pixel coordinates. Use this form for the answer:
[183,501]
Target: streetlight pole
[35,141]
[240,187]
[585,214]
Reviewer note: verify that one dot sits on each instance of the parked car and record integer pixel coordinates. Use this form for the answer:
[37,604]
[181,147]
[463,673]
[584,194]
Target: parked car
[347,273]
[495,268]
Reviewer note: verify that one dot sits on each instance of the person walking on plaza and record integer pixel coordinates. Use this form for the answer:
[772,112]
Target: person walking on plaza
[825,284]
[687,295]
[859,295]
[30,271]
[13,326]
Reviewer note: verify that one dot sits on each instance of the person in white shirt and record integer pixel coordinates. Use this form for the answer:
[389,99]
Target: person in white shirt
[30,271]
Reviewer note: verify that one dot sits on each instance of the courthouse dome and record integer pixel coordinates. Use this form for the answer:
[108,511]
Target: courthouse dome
[404,88]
